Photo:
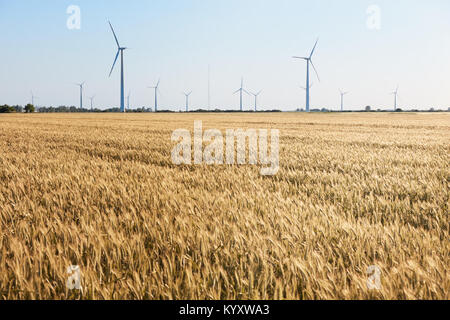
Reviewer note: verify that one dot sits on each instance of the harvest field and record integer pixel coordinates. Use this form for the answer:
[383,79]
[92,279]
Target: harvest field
[100,191]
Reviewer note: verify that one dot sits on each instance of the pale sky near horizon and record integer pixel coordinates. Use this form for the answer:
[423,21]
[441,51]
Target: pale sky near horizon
[176,40]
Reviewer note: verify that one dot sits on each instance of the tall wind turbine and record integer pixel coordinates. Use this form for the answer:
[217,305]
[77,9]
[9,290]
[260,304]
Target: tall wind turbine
[187,100]
[92,99]
[156,94]
[241,89]
[256,99]
[309,61]
[342,99]
[81,93]
[120,51]
[33,97]
[395,93]
[209,87]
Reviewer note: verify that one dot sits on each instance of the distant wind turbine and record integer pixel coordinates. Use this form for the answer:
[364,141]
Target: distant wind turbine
[187,100]
[256,99]
[342,99]
[33,97]
[395,93]
[120,51]
[92,99]
[81,93]
[241,89]
[156,95]
[309,61]
[209,87]
[128,100]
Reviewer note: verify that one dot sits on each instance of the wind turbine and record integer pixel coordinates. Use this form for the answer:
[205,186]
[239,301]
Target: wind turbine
[256,99]
[120,51]
[309,61]
[209,87]
[342,99]
[92,99]
[241,89]
[395,93]
[156,94]
[33,97]
[128,100]
[81,93]
[187,100]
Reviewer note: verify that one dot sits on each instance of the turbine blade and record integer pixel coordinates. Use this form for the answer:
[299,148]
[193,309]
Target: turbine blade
[317,74]
[237,91]
[112,29]
[246,92]
[312,52]
[115,60]
[300,58]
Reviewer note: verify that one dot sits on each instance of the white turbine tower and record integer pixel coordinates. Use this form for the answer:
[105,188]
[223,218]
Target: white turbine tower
[304,88]
[81,93]
[256,99]
[187,100]
[395,93]
[128,100]
[240,90]
[309,61]
[92,99]
[342,99]
[33,97]
[156,95]
[209,87]
[120,51]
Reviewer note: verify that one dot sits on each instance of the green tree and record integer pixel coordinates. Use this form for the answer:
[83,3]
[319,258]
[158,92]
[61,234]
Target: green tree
[29,108]
[7,109]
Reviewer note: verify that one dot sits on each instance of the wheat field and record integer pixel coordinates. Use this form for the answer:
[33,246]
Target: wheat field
[100,191]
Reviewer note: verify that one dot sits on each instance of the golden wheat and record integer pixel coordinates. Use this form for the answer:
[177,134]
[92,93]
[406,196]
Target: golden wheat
[100,191]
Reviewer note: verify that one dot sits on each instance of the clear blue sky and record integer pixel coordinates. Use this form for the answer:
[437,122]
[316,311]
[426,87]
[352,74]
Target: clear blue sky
[177,40]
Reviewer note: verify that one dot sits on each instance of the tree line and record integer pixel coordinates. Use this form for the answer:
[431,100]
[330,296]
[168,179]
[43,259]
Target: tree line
[29,108]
